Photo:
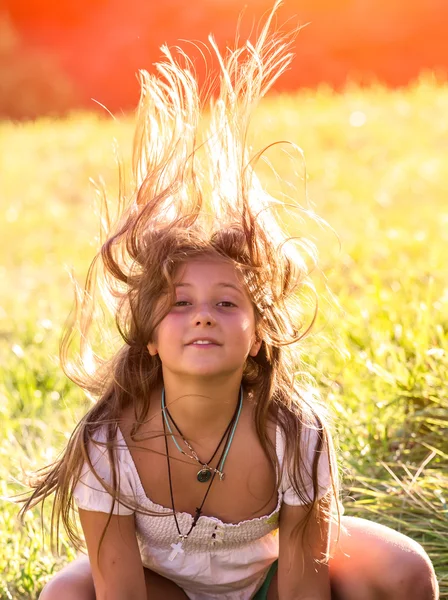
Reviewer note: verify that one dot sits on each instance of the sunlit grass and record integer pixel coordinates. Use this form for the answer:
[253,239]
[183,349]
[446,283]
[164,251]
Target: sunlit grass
[376,164]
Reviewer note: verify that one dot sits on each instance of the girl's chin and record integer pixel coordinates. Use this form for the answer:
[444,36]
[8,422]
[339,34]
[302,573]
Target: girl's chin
[202,370]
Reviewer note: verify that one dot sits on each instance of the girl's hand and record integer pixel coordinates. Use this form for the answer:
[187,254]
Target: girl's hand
[301,573]
[119,574]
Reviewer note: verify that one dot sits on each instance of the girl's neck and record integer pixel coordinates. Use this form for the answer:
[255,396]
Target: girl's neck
[202,409]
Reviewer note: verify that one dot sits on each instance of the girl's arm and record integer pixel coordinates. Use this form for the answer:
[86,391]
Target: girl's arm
[119,574]
[300,577]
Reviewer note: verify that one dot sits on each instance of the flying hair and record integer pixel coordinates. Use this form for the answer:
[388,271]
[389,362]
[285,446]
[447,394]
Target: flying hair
[194,192]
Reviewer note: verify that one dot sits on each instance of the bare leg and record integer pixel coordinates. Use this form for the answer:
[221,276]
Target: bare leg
[374,562]
[74,582]
[371,562]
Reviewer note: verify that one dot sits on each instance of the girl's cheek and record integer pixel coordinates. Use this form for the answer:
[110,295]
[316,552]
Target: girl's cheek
[246,323]
[171,322]
[174,317]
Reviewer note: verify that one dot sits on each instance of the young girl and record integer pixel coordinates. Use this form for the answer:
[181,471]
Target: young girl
[205,469]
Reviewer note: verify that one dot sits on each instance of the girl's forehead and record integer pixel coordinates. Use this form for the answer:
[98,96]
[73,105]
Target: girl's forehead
[210,268]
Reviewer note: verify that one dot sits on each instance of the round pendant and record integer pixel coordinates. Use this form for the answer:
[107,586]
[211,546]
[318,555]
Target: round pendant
[204,475]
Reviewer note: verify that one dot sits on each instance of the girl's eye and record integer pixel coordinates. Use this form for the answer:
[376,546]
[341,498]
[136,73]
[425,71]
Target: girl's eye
[224,303]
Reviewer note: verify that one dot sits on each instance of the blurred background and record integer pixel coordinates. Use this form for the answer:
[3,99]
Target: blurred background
[55,56]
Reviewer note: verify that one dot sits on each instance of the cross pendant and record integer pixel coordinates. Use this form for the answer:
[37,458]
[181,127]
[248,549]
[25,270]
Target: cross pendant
[177,549]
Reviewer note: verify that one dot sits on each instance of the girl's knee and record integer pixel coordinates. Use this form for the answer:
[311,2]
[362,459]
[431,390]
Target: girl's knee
[65,587]
[415,576]
[74,582]
[375,561]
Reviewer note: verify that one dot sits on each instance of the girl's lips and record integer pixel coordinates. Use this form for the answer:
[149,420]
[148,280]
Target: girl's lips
[209,345]
[210,341]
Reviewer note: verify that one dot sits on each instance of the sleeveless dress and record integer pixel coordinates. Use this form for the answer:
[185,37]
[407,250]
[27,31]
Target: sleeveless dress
[226,561]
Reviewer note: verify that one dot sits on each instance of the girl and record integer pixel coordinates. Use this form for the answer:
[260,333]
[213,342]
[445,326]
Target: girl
[205,469]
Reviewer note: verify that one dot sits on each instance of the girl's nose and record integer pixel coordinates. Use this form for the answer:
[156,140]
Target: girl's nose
[204,322]
[204,317]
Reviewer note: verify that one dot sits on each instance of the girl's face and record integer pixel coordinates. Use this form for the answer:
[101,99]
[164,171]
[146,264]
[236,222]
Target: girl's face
[210,329]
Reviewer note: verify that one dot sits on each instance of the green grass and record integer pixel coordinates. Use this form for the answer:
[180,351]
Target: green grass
[376,163]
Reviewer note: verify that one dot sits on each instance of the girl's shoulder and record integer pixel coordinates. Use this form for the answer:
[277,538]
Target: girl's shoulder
[108,461]
[305,457]
[307,435]
[106,440]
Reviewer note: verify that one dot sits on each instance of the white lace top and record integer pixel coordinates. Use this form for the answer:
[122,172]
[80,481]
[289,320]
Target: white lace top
[228,561]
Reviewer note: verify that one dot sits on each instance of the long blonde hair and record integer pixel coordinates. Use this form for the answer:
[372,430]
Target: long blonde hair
[195,192]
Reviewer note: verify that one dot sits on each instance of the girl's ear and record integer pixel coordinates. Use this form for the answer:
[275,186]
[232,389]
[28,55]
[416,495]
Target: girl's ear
[152,349]
[255,348]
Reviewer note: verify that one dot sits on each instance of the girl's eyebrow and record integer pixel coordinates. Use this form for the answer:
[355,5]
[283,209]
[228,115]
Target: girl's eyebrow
[223,284]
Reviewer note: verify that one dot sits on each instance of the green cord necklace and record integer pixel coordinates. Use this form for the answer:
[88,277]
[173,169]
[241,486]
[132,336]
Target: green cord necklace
[205,473]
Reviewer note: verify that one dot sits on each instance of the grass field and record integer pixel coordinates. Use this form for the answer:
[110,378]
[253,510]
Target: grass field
[377,164]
